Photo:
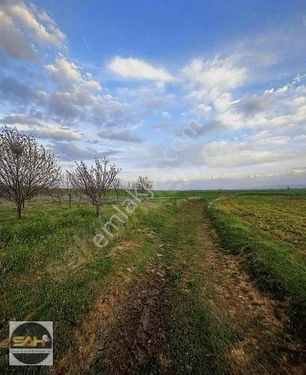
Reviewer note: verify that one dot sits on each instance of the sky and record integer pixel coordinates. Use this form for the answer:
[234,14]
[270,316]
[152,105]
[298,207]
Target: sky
[194,94]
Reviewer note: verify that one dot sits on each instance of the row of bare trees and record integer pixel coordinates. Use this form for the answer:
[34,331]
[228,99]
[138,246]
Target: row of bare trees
[27,169]
[62,188]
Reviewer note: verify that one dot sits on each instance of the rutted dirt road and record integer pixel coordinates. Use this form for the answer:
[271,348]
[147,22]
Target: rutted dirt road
[131,329]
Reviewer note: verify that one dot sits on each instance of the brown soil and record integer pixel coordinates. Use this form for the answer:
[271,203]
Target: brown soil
[135,342]
[81,356]
[265,347]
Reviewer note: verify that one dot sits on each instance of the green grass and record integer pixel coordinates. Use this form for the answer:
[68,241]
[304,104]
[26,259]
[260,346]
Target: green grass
[213,194]
[280,217]
[197,340]
[269,231]
[51,270]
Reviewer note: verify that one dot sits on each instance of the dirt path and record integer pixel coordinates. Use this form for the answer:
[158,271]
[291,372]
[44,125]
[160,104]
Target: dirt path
[265,348]
[127,326]
[135,322]
[136,341]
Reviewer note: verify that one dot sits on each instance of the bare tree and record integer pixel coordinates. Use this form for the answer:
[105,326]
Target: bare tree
[62,188]
[57,193]
[95,181]
[129,185]
[143,184]
[67,184]
[117,186]
[80,194]
[25,167]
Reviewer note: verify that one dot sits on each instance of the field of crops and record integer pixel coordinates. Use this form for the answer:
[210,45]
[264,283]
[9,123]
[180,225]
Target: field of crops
[279,217]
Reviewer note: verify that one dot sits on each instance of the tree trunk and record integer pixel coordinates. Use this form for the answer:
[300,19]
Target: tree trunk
[19,207]
[97,210]
[69,196]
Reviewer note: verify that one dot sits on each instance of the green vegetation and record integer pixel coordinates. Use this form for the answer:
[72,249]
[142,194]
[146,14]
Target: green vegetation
[51,270]
[198,340]
[270,232]
[195,339]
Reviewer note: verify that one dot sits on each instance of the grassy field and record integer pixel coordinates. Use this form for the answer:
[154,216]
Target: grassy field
[270,231]
[160,297]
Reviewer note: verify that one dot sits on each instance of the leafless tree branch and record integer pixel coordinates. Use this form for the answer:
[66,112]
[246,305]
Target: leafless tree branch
[95,181]
[26,168]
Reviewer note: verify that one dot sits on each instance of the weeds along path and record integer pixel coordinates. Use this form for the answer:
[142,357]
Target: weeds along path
[191,309]
[220,323]
[263,345]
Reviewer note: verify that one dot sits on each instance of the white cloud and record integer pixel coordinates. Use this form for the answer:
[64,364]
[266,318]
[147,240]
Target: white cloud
[203,109]
[90,84]
[121,135]
[138,69]
[267,151]
[40,128]
[69,151]
[233,154]
[299,171]
[215,73]
[80,97]
[22,27]
[65,72]
[210,85]
[13,41]
[45,33]
[278,109]
[56,133]
[147,100]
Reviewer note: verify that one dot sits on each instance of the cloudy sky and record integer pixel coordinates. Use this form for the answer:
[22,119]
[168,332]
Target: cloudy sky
[193,93]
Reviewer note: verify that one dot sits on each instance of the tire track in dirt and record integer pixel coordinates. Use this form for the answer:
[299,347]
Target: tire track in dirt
[125,325]
[87,338]
[86,347]
[135,342]
[126,331]
[265,347]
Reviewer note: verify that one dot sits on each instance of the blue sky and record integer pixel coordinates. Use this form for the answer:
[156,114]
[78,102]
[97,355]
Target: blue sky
[194,94]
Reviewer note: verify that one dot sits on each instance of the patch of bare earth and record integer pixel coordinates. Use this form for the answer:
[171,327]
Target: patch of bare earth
[265,347]
[136,342]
